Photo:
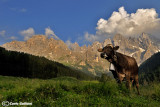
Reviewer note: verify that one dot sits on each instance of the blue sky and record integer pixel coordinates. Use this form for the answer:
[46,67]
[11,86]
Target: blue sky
[68,19]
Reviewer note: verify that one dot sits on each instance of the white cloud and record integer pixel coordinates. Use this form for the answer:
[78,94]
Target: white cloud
[13,38]
[2,33]
[50,33]
[68,43]
[19,9]
[5,37]
[90,37]
[28,33]
[23,10]
[144,20]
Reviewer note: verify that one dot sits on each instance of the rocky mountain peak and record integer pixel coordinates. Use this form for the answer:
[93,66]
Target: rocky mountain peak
[118,37]
[144,36]
[107,41]
[85,57]
[75,47]
[119,40]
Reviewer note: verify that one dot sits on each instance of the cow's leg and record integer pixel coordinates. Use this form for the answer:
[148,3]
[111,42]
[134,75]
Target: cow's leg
[137,84]
[115,75]
[120,77]
[128,83]
[133,83]
[119,80]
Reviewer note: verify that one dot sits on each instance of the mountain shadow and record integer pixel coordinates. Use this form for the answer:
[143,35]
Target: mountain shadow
[20,64]
[149,71]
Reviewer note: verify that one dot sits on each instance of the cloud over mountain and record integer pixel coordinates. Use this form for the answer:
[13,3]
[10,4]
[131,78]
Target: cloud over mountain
[50,33]
[69,43]
[2,33]
[28,33]
[12,38]
[144,20]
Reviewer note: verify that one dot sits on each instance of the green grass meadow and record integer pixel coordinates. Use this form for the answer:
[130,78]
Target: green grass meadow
[70,92]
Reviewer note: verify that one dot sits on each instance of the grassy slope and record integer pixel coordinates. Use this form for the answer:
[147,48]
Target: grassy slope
[149,71]
[66,91]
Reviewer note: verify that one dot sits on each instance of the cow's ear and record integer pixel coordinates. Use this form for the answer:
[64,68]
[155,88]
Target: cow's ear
[100,50]
[116,47]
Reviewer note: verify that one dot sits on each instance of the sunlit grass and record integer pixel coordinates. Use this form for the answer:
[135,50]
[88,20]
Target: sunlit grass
[67,91]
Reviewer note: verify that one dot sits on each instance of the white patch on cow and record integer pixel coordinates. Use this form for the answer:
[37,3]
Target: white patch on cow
[105,56]
[112,67]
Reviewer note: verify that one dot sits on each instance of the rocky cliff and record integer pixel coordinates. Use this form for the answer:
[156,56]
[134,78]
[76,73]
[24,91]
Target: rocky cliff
[85,58]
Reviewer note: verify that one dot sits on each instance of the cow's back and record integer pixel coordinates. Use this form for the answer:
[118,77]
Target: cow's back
[128,63]
[132,65]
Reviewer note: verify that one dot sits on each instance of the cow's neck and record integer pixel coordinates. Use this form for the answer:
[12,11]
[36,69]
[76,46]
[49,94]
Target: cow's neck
[120,60]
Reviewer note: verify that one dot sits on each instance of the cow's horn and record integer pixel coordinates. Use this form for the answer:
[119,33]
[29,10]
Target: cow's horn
[100,50]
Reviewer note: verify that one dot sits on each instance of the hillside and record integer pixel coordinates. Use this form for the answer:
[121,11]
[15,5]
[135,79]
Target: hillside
[25,65]
[149,71]
[85,58]
[70,92]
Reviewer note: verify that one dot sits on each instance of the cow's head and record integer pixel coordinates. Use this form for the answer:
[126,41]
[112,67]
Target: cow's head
[109,52]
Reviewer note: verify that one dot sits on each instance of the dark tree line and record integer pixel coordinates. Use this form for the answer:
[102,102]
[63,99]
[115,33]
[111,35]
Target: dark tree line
[149,71]
[25,65]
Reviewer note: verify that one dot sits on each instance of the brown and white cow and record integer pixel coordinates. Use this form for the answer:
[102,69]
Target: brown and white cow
[125,66]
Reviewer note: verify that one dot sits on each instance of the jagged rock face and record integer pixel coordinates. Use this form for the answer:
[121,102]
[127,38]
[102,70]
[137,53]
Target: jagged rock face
[140,48]
[85,58]
[41,46]
[75,47]
[57,50]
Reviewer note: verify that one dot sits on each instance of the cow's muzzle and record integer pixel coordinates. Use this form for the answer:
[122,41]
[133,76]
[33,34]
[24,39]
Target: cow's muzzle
[103,55]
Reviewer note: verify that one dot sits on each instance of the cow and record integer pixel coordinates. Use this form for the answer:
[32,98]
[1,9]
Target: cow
[124,66]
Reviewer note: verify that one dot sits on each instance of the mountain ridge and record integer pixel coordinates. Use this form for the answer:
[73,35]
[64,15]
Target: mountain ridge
[21,64]
[85,57]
